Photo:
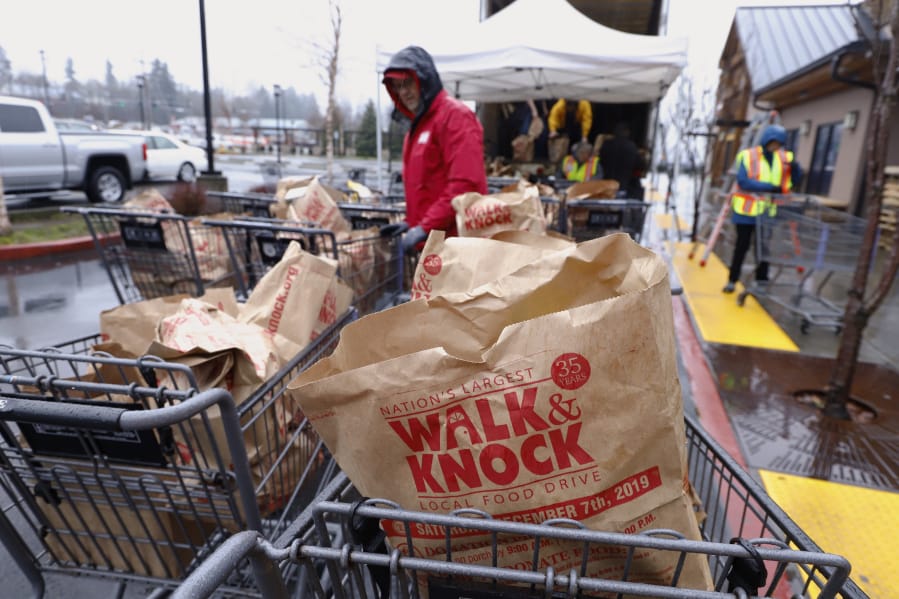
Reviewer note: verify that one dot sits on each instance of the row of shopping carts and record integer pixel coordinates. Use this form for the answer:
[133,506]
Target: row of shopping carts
[126,469]
[123,468]
[583,219]
[152,254]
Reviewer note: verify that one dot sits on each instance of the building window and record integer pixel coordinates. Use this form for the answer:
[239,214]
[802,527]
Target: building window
[824,158]
[793,140]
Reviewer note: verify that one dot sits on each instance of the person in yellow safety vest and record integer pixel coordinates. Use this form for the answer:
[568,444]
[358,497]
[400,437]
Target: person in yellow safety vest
[581,165]
[761,170]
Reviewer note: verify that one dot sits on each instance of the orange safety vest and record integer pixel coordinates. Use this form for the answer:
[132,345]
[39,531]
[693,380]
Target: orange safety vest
[578,172]
[757,168]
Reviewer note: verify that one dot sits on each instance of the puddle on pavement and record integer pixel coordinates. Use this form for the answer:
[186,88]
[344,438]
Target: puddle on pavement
[777,432]
[49,301]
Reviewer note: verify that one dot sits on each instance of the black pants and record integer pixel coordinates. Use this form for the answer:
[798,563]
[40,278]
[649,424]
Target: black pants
[745,234]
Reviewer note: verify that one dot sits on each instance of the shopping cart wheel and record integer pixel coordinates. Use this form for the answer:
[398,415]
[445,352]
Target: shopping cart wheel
[803,328]
[741,299]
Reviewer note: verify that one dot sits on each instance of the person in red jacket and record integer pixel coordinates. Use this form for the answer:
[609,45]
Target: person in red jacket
[443,152]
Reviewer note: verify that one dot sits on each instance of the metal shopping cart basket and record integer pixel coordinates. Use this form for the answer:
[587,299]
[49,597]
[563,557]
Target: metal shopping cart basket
[249,203]
[588,219]
[371,265]
[806,243]
[121,468]
[364,216]
[334,549]
[151,254]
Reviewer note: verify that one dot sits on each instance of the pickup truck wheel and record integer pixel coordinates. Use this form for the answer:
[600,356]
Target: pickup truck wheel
[106,185]
[187,173]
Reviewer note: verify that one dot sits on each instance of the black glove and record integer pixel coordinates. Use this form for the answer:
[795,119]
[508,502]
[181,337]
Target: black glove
[394,229]
[774,189]
[412,238]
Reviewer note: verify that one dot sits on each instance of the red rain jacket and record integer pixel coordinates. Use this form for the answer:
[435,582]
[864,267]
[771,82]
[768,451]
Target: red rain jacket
[443,152]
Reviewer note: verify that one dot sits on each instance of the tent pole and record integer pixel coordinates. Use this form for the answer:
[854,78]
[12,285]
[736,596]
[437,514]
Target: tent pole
[378,136]
[652,144]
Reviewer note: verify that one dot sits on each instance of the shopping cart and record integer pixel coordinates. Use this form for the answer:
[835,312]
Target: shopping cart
[802,241]
[588,219]
[151,254]
[255,204]
[370,264]
[335,549]
[119,468]
[554,211]
[497,184]
[364,216]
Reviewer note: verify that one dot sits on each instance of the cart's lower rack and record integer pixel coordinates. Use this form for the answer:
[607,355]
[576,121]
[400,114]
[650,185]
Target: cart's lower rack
[335,549]
[123,469]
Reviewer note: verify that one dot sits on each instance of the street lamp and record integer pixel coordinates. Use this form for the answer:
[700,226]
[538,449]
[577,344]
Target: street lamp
[141,80]
[207,103]
[44,80]
[278,122]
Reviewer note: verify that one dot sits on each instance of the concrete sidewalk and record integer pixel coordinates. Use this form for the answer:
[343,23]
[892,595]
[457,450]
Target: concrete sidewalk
[746,368]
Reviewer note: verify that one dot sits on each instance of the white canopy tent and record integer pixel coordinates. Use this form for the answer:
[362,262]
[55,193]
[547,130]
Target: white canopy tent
[539,49]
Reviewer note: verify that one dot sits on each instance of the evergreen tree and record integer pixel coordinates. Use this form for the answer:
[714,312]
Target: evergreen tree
[162,93]
[366,139]
[6,77]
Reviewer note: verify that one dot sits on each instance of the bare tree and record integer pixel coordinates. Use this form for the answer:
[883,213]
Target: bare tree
[327,57]
[689,118]
[861,305]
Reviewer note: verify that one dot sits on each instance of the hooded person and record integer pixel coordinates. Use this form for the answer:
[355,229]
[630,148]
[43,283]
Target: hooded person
[768,168]
[443,151]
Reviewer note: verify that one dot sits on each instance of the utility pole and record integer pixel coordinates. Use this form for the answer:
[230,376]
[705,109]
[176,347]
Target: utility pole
[141,81]
[278,122]
[44,80]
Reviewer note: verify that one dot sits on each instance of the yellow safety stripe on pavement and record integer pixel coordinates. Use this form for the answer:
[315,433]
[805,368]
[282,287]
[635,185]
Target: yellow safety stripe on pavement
[663,221]
[847,520]
[717,315]
[654,195]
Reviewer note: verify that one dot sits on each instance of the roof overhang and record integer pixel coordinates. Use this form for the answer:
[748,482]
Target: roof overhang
[817,79]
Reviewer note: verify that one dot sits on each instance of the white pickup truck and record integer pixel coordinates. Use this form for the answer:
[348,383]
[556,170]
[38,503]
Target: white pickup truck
[36,158]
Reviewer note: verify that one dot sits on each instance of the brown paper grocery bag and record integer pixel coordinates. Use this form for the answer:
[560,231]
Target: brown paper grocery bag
[287,300]
[551,392]
[485,215]
[211,250]
[557,149]
[361,252]
[337,301]
[314,202]
[543,242]
[456,264]
[133,326]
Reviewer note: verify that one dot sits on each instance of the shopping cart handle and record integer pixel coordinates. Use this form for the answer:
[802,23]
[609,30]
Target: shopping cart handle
[61,413]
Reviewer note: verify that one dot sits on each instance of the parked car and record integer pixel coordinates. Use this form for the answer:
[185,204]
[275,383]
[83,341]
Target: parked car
[36,158]
[170,158]
[76,125]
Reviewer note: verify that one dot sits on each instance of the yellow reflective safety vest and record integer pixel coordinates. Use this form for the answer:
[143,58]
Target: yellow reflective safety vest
[758,168]
[579,172]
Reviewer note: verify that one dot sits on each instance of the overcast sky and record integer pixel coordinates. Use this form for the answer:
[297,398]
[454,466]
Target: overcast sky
[264,42]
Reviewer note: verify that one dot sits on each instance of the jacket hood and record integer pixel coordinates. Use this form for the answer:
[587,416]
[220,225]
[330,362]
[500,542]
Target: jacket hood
[418,61]
[773,133]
